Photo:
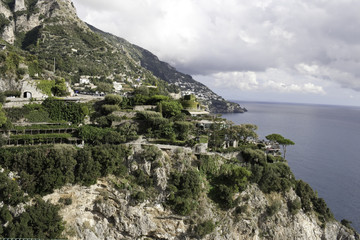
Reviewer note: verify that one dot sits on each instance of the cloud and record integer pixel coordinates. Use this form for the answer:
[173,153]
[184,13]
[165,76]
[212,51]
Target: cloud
[271,80]
[288,45]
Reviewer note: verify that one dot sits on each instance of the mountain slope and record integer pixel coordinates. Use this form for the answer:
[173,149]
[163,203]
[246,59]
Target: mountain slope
[52,32]
[168,73]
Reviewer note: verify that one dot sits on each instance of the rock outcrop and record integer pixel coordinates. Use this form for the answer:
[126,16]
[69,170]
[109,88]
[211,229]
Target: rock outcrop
[23,19]
[108,210]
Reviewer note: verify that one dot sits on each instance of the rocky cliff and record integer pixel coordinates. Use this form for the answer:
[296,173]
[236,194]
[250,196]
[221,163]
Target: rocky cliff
[109,210]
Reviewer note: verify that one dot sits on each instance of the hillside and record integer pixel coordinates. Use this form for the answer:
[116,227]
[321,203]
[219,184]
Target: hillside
[51,31]
[168,73]
[132,166]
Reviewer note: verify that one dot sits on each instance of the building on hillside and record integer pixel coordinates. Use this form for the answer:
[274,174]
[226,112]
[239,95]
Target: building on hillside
[117,87]
[84,80]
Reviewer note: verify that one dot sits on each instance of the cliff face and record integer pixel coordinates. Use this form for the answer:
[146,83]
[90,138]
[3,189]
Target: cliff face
[24,16]
[108,210]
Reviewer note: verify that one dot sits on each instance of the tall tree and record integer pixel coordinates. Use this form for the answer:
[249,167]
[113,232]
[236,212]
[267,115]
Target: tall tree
[284,142]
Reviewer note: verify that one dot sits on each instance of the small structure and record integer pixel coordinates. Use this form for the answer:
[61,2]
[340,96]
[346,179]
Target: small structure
[30,90]
[84,80]
[195,113]
[117,87]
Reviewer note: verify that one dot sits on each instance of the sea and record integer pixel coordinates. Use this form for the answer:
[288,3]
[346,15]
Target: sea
[326,153]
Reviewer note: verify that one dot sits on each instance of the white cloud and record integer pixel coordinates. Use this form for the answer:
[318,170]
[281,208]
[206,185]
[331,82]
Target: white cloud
[290,45]
[271,80]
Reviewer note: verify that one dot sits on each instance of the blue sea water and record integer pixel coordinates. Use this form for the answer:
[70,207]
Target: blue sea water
[326,153]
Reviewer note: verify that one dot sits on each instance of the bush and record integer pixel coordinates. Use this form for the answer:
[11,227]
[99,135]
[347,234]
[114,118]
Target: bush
[347,224]
[139,197]
[184,191]
[231,179]
[107,109]
[305,192]
[294,206]
[66,201]
[273,208]
[143,179]
[254,156]
[150,153]
[41,220]
[321,208]
[275,177]
[209,165]
[183,129]
[169,108]
[45,86]
[10,193]
[204,228]
[68,111]
[113,99]
[41,169]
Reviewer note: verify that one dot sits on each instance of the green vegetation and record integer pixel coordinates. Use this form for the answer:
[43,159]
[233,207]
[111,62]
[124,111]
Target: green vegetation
[40,220]
[184,191]
[310,201]
[280,140]
[68,111]
[204,228]
[3,22]
[3,118]
[231,179]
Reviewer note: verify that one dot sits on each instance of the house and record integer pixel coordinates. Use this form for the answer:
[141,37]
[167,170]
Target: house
[84,80]
[117,87]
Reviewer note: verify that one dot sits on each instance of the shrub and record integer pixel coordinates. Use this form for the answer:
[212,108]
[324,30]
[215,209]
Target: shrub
[41,169]
[139,196]
[273,208]
[10,193]
[45,86]
[254,156]
[209,165]
[184,191]
[66,201]
[204,228]
[41,220]
[305,192]
[169,108]
[143,179]
[113,99]
[321,208]
[347,224]
[183,129]
[294,206]
[69,111]
[107,109]
[59,89]
[150,153]
[231,179]
[276,177]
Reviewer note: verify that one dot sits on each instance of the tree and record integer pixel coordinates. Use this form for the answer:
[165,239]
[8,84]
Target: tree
[2,116]
[60,88]
[104,87]
[244,131]
[280,140]
[170,108]
[113,99]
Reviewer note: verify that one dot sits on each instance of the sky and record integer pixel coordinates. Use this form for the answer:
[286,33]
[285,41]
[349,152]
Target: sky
[305,51]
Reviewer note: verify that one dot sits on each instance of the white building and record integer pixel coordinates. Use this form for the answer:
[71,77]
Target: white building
[117,86]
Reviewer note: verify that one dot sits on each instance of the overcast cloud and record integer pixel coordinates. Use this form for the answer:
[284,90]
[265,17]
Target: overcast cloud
[307,48]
